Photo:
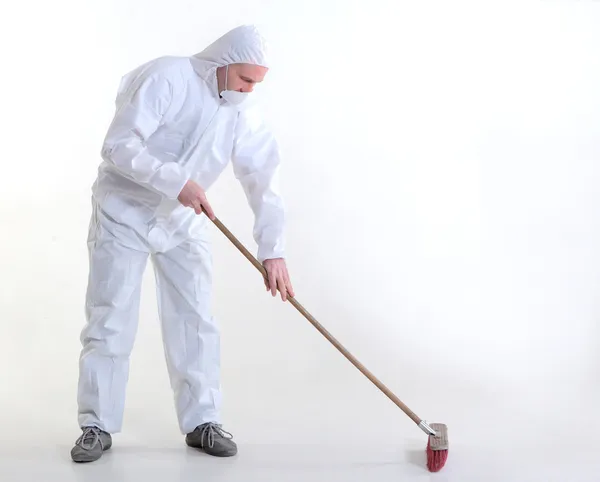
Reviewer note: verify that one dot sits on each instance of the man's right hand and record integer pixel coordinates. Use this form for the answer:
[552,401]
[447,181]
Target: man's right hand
[193,196]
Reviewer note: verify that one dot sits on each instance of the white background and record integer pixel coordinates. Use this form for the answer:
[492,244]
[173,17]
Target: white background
[441,176]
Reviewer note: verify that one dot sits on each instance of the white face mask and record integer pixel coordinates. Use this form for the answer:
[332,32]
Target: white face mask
[235,98]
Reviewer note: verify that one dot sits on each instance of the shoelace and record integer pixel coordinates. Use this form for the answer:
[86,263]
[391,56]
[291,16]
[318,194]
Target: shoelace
[89,438]
[210,430]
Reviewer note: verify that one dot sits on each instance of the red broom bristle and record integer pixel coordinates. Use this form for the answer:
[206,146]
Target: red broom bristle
[436,459]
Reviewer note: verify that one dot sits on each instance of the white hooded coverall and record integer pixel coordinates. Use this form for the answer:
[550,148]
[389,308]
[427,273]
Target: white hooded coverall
[170,126]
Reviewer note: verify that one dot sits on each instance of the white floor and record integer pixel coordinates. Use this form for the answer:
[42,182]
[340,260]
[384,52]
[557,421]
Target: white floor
[128,461]
[492,440]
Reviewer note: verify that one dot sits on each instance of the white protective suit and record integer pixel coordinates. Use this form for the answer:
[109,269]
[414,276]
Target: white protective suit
[170,126]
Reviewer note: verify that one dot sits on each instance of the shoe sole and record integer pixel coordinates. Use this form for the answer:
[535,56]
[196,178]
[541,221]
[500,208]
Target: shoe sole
[214,454]
[84,460]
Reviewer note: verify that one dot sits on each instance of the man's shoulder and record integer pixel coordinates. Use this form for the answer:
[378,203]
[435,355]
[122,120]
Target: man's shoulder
[170,67]
[162,74]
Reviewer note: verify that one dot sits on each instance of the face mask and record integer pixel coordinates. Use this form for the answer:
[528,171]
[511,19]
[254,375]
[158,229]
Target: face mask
[235,98]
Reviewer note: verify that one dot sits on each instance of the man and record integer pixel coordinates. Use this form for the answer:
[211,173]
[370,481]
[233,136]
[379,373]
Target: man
[178,123]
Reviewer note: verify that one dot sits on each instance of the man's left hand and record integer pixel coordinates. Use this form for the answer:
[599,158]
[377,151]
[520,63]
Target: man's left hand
[278,278]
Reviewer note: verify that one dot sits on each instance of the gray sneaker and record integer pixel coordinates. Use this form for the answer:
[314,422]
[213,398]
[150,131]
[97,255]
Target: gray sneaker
[91,445]
[212,439]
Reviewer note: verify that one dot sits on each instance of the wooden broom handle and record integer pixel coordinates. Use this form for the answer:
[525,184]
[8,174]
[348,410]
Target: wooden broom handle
[320,327]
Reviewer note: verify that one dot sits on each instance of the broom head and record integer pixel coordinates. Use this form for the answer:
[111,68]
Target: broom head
[437,448]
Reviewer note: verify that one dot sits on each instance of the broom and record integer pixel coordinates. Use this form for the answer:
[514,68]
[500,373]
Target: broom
[437,444]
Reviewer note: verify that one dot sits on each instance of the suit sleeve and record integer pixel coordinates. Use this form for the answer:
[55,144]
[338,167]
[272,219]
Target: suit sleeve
[256,162]
[140,111]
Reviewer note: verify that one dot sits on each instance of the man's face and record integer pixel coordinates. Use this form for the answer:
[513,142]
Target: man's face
[243,77]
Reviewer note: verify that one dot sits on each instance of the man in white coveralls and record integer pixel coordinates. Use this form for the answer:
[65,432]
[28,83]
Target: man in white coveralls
[179,122]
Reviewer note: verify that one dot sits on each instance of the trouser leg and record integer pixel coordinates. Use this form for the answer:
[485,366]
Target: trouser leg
[112,311]
[190,334]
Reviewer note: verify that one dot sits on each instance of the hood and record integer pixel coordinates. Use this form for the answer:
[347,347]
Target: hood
[242,45]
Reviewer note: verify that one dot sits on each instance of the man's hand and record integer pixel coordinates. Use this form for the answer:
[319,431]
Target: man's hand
[193,196]
[278,278]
